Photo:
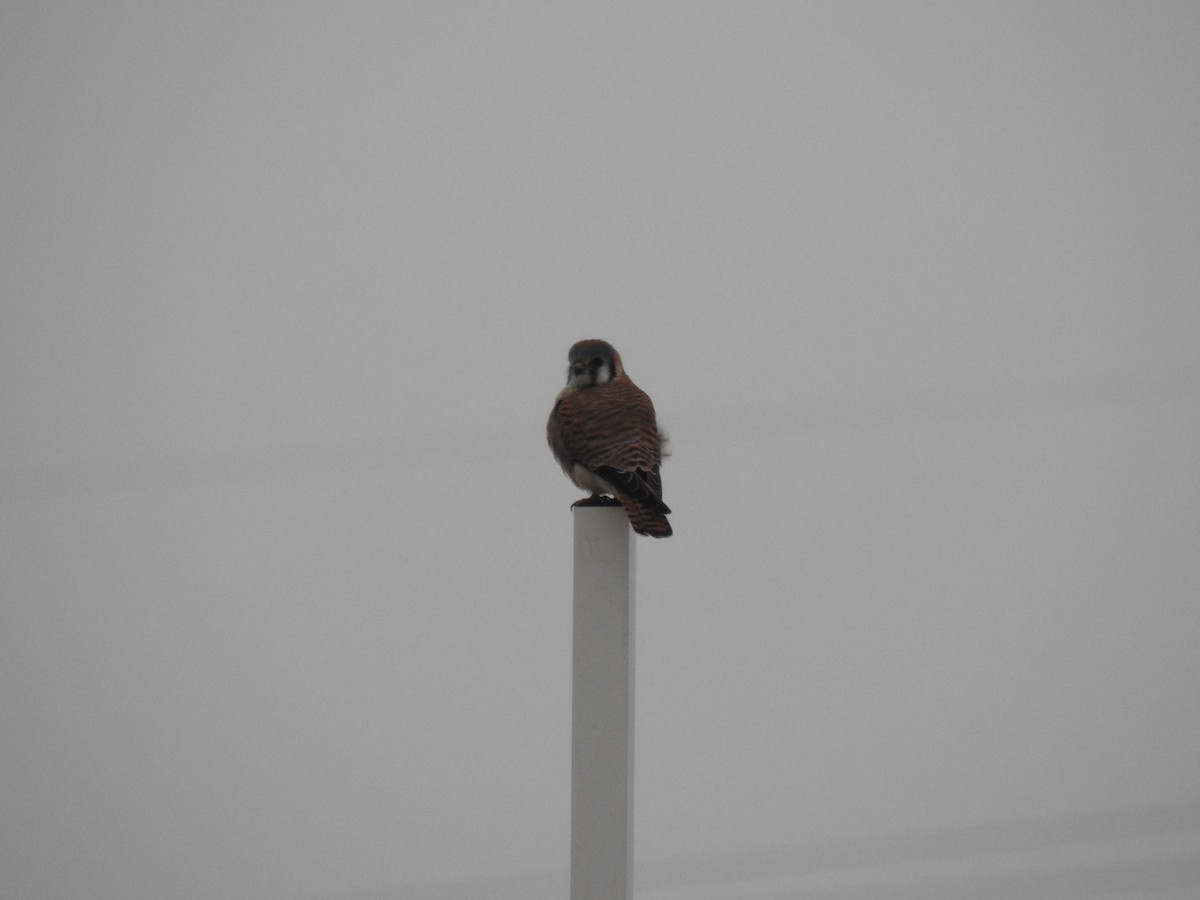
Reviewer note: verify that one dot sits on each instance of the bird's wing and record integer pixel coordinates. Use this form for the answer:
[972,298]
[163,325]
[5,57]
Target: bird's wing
[645,487]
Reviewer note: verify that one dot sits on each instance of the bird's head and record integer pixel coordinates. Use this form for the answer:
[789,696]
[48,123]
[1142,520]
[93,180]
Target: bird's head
[592,363]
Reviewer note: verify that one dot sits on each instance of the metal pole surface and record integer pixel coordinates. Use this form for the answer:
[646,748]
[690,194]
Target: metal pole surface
[602,706]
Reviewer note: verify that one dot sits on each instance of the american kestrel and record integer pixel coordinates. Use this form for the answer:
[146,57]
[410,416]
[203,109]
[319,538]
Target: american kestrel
[603,433]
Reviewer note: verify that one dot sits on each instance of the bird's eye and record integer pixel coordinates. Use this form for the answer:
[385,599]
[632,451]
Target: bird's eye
[597,362]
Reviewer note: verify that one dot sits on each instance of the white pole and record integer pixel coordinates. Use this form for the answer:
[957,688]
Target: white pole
[602,706]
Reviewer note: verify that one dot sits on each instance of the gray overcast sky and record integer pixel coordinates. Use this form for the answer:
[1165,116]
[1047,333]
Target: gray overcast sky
[285,562]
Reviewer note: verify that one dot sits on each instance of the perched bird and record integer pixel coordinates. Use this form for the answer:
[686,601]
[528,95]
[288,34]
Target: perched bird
[604,435]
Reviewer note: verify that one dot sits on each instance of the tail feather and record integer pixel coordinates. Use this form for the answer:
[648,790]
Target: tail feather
[646,519]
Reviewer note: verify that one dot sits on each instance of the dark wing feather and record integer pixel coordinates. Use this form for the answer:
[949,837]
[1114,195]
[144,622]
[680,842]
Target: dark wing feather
[642,485]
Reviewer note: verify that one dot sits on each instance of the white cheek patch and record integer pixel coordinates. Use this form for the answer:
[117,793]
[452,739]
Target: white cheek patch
[603,374]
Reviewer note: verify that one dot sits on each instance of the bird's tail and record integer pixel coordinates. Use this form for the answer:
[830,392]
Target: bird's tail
[648,520]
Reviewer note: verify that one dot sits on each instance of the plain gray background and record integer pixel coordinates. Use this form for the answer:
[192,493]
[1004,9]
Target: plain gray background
[287,294]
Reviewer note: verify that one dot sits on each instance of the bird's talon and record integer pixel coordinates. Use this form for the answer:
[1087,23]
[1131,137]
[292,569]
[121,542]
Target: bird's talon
[597,500]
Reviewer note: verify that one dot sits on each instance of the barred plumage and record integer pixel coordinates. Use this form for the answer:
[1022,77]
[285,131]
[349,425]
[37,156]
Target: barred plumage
[603,433]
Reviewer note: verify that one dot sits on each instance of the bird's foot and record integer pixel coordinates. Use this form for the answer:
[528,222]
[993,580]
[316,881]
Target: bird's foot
[597,500]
